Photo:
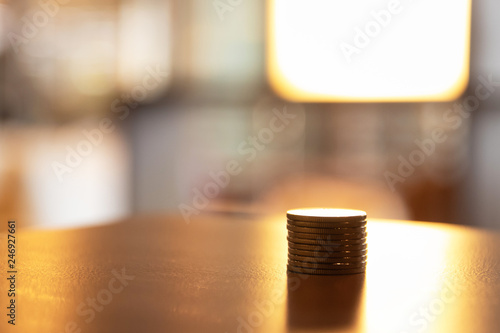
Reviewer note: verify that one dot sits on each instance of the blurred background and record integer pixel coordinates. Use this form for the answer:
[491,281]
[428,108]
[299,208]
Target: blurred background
[118,107]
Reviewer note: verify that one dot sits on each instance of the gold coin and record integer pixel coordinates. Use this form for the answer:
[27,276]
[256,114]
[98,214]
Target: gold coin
[327,260]
[355,235]
[323,248]
[327,241]
[332,254]
[337,265]
[326,215]
[326,224]
[328,231]
[309,271]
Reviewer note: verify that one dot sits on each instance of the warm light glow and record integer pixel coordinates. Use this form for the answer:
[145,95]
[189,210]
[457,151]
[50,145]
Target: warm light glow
[420,255]
[369,50]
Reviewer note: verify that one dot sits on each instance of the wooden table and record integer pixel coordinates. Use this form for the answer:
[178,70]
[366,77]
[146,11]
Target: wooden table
[227,274]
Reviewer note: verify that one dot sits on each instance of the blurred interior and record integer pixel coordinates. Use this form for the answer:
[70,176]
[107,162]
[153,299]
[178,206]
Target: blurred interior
[111,108]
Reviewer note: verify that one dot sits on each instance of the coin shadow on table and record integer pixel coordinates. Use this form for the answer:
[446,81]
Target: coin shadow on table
[323,302]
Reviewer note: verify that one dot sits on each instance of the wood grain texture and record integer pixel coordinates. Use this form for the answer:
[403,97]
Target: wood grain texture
[228,274]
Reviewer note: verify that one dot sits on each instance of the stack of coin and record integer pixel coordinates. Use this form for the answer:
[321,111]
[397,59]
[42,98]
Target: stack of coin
[326,241]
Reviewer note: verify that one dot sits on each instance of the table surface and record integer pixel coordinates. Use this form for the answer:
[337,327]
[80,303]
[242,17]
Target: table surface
[227,273]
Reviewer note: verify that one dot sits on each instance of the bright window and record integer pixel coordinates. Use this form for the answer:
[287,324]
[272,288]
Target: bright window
[369,50]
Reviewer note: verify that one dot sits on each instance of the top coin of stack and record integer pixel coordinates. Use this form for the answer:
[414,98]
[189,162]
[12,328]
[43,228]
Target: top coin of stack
[326,241]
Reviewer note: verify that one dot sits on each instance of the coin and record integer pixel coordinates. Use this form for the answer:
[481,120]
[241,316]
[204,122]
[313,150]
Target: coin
[325,252]
[332,254]
[356,235]
[322,248]
[326,224]
[329,231]
[326,260]
[301,270]
[326,215]
[327,242]
[338,265]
